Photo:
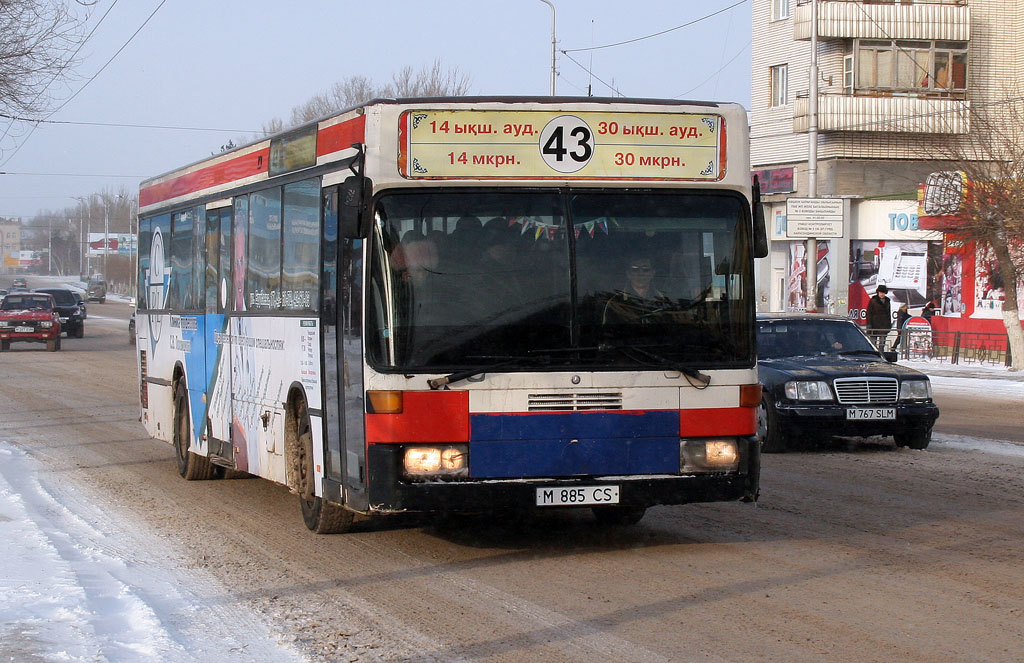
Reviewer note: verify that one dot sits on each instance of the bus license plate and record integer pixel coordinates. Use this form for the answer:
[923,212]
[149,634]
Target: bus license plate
[577,495]
[874,413]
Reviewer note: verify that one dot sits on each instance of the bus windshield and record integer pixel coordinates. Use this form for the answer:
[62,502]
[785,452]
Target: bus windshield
[558,279]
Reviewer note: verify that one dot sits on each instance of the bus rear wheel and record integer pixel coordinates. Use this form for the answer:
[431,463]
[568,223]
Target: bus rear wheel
[191,466]
[320,516]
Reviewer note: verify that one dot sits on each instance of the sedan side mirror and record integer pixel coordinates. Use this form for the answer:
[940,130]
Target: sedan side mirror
[890,356]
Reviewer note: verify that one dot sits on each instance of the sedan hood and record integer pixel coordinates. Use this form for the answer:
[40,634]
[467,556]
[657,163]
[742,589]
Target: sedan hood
[829,367]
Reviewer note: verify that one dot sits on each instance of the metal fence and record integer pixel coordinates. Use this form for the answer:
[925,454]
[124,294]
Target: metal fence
[954,347]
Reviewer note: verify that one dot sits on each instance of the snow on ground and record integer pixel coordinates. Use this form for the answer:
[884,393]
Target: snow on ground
[79,586]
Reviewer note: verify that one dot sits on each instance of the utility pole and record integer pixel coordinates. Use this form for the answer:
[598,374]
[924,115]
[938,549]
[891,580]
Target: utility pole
[811,256]
[548,3]
[49,246]
[106,234]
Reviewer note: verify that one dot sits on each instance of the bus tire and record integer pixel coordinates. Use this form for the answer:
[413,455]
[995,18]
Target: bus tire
[191,466]
[619,515]
[320,516]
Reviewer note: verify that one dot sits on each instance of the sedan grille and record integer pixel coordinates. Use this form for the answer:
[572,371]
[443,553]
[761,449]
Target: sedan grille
[574,402]
[867,390]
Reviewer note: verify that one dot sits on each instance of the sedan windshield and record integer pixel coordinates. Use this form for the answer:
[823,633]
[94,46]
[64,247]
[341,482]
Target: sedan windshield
[640,279]
[800,338]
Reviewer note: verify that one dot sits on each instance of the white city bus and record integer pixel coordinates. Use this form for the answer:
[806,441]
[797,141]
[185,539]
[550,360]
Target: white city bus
[462,304]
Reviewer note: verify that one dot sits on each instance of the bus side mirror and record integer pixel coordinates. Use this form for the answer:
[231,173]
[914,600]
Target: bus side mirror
[353,206]
[760,235]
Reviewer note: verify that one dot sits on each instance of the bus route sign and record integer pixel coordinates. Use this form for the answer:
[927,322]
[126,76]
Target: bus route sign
[486,144]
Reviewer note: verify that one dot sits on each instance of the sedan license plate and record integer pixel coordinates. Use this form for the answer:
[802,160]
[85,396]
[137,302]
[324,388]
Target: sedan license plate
[24,330]
[872,413]
[577,495]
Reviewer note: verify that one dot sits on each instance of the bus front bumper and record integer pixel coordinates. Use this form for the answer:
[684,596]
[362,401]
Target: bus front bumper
[391,493]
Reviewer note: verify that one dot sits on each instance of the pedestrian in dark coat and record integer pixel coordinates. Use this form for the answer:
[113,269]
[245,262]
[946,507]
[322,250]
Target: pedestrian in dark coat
[928,312]
[879,315]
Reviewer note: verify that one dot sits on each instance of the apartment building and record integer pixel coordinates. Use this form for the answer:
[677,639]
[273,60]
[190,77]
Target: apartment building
[10,245]
[896,82]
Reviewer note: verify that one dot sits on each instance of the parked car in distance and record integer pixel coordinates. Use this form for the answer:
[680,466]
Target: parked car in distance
[29,317]
[131,329]
[821,376]
[81,303]
[96,290]
[71,318]
[19,282]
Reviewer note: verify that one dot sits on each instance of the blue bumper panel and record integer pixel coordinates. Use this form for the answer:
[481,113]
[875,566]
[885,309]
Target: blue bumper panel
[573,444]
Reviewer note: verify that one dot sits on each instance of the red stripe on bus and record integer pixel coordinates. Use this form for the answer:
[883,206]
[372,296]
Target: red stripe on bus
[341,136]
[706,422]
[427,416]
[225,172]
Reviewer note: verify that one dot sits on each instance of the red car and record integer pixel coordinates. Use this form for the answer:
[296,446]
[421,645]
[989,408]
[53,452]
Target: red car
[29,316]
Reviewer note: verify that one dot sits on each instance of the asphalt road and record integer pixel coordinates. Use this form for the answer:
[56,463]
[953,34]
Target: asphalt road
[857,551]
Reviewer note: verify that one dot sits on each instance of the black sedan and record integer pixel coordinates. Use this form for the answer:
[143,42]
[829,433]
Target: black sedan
[821,376]
[72,318]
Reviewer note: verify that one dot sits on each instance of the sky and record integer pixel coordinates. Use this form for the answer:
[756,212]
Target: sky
[233,65]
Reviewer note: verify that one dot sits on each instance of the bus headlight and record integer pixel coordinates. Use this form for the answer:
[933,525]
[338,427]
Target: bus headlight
[436,462]
[704,455]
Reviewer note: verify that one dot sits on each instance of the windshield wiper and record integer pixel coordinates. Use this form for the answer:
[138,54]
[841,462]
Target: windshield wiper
[703,379]
[530,360]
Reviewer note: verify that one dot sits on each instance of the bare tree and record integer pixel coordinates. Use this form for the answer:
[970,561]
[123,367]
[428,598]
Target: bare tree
[430,81]
[38,41]
[434,80]
[991,157]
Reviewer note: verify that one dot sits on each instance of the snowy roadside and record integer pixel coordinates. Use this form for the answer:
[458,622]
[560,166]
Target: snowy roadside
[79,584]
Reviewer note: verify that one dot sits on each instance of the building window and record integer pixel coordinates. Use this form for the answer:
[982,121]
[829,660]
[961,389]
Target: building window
[780,9]
[911,66]
[780,85]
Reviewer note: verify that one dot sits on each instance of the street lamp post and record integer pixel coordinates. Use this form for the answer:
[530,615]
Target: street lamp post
[548,3]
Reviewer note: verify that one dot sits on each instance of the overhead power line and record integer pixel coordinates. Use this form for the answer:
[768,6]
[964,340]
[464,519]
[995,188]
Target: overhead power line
[8,172]
[91,79]
[116,124]
[656,34]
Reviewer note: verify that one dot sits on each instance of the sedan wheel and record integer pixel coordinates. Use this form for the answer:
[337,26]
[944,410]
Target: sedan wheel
[769,435]
[918,439]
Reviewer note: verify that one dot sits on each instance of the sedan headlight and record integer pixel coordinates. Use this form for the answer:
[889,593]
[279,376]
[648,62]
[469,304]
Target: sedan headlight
[4,323]
[46,324]
[915,390]
[808,391]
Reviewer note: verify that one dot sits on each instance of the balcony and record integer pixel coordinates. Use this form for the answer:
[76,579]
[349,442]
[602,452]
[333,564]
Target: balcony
[846,19]
[895,114]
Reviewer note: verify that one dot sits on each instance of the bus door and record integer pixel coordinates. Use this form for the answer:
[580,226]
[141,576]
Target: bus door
[340,277]
[217,284]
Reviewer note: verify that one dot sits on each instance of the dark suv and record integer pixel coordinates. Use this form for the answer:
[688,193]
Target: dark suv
[72,320]
[97,290]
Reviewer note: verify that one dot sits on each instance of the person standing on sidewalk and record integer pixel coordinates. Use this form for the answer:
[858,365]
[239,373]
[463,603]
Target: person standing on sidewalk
[902,315]
[879,316]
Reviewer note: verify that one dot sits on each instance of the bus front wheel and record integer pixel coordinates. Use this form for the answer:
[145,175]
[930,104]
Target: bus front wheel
[191,466]
[320,516]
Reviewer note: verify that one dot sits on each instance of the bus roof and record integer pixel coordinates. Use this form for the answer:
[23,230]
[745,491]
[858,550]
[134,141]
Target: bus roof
[335,133]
